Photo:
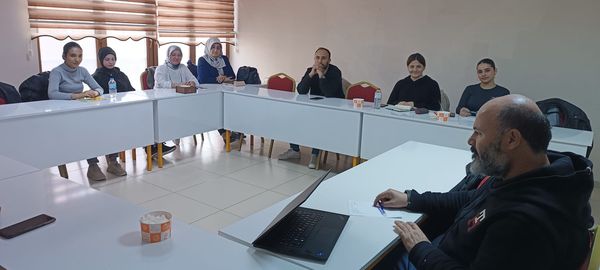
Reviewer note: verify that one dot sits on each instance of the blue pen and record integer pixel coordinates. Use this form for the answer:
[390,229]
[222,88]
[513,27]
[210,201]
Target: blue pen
[380,207]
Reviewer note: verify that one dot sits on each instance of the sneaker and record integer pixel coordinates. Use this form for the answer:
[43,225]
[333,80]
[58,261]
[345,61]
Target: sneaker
[166,150]
[116,169]
[94,173]
[289,154]
[313,161]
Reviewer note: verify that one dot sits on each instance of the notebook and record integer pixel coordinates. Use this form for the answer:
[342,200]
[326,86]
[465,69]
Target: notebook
[303,232]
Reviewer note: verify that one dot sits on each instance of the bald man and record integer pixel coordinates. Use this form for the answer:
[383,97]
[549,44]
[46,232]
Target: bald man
[532,214]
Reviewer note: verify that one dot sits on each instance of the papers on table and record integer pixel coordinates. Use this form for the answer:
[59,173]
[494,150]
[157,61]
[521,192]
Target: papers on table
[358,208]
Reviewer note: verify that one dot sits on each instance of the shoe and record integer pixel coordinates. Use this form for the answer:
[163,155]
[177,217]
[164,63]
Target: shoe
[313,161]
[94,173]
[115,168]
[176,141]
[166,150]
[289,154]
[232,138]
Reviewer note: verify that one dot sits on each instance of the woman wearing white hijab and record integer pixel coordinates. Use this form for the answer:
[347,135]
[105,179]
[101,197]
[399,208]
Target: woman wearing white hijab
[172,73]
[213,66]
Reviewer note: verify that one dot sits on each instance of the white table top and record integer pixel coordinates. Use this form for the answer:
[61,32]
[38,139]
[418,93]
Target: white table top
[559,135]
[166,93]
[94,230]
[27,109]
[415,165]
[10,168]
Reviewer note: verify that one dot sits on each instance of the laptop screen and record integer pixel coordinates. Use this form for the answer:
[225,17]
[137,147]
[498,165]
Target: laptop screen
[295,202]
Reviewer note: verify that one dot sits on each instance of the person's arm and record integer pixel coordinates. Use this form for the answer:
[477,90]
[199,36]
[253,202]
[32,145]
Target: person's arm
[331,83]
[447,203]
[126,80]
[204,72]
[433,102]
[161,78]
[394,96]
[228,70]
[89,80]
[189,77]
[53,87]
[463,101]
[304,85]
[507,244]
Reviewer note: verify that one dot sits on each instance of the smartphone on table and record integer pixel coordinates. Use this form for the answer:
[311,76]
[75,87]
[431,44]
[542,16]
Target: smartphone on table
[26,226]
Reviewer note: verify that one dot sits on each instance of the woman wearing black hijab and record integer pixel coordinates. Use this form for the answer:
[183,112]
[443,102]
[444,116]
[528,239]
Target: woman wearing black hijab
[102,75]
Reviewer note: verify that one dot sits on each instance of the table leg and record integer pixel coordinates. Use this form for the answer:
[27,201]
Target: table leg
[160,156]
[149,158]
[355,161]
[227,141]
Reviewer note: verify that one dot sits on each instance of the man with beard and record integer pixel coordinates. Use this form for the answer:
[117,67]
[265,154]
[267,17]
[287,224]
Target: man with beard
[322,79]
[533,213]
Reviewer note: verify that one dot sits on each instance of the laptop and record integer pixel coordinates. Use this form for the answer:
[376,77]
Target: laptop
[303,232]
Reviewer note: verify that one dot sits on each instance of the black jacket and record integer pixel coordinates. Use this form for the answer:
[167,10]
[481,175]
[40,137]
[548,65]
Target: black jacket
[9,94]
[102,76]
[424,92]
[537,220]
[330,86]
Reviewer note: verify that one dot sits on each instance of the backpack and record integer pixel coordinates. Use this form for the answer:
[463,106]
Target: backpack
[248,74]
[561,113]
[35,87]
[8,94]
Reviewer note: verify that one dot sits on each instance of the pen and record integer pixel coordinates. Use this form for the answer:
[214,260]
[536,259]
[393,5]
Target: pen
[380,207]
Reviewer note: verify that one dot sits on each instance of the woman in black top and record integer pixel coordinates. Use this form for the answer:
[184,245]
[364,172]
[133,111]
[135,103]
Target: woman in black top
[416,90]
[102,75]
[476,95]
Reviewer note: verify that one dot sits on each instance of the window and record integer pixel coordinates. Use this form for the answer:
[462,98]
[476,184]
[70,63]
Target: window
[131,58]
[51,52]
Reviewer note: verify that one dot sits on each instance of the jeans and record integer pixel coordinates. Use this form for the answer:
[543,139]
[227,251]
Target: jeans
[296,148]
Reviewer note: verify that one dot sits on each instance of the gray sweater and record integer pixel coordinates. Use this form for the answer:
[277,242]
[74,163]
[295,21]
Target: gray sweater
[65,81]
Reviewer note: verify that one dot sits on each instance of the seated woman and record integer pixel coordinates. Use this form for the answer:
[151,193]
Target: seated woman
[416,90]
[476,95]
[66,82]
[213,66]
[172,73]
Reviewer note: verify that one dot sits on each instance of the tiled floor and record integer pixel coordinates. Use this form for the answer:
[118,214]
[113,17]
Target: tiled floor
[209,188]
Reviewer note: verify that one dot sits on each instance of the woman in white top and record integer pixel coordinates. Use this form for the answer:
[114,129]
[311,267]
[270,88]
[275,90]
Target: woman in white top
[172,73]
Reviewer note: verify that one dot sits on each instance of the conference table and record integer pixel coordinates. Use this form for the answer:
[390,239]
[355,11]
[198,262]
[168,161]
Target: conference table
[384,129]
[329,124]
[412,165]
[53,132]
[94,230]
[12,168]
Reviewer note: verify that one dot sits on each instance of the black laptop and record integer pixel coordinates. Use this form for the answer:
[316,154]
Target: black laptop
[303,232]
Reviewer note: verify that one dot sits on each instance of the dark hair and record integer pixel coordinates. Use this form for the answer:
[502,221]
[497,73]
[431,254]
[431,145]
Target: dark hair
[416,56]
[487,61]
[325,49]
[68,46]
[533,125]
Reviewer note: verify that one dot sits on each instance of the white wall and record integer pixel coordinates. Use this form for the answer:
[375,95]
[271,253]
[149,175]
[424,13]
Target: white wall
[17,51]
[543,48]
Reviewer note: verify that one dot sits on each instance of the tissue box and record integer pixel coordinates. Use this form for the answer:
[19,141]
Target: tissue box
[185,89]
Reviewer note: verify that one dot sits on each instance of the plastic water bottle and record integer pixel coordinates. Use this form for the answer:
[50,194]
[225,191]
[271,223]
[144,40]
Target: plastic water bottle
[377,99]
[112,87]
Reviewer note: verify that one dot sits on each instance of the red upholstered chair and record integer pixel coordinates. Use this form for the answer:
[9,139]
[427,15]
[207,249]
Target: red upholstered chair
[282,82]
[364,90]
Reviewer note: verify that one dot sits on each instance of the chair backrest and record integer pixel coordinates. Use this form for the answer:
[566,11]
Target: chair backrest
[593,260]
[345,85]
[281,81]
[444,101]
[147,78]
[364,90]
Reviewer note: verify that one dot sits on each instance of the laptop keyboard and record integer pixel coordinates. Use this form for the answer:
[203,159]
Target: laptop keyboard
[303,223]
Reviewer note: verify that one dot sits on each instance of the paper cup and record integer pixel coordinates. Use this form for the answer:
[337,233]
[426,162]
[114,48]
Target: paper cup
[443,116]
[358,103]
[156,226]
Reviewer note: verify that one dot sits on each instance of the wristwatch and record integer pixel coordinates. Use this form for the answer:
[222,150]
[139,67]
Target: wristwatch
[408,192]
